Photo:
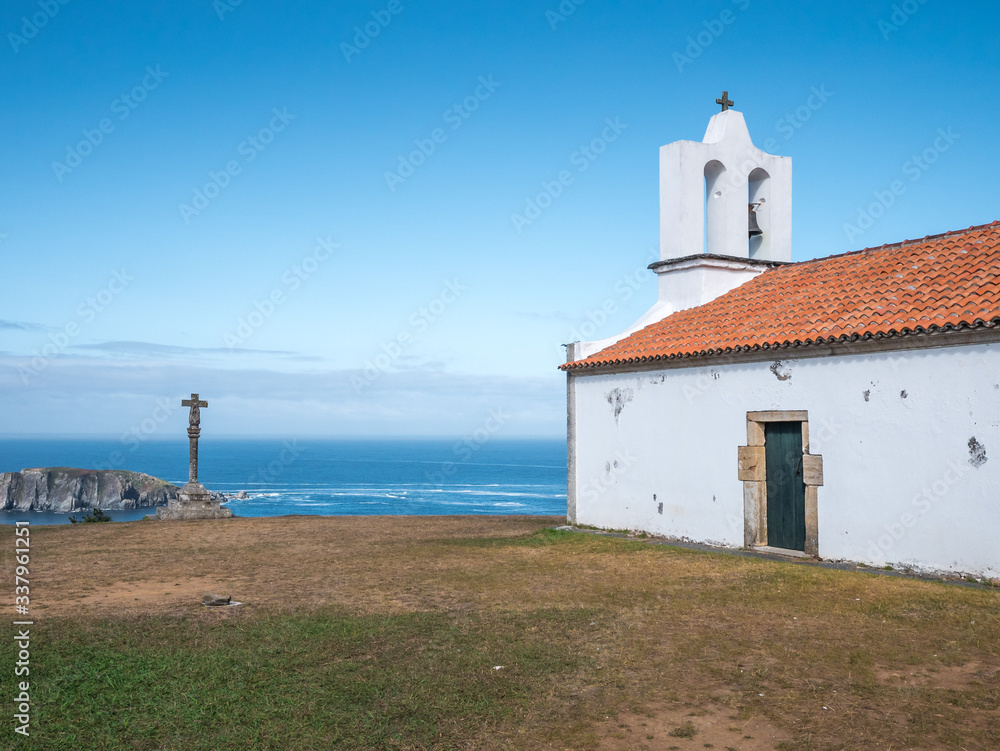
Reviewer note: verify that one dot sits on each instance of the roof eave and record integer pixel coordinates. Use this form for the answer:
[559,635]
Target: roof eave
[950,335]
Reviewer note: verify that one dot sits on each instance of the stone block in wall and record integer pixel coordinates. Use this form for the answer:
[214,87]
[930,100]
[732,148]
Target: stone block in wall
[812,469]
[751,463]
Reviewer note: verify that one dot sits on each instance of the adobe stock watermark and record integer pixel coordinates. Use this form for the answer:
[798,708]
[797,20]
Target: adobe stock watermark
[455,116]
[564,10]
[86,313]
[419,321]
[593,488]
[290,452]
[249,148]
[713,380]
[914,168]
[704,382]
[714,28]
[466,448]
[140,432]
[291,280]
[31,25]
[788,125]
[920,505]
[22,639]
[149,425]
[582,158]
[363,35]
[122,106]
[901,13]
[223,8]
[623,289]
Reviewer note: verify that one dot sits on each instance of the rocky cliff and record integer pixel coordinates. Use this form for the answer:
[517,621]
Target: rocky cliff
[62,489]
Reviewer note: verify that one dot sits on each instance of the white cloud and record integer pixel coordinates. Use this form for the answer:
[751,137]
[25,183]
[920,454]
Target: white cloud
[105,396]
[148,349]
[21,326]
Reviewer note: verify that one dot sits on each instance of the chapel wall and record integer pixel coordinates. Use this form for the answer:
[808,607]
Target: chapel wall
[902,436]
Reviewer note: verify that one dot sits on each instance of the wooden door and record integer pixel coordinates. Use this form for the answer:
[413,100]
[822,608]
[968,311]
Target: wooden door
[786,491]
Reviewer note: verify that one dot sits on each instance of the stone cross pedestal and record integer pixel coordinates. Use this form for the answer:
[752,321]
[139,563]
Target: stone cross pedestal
[193,501]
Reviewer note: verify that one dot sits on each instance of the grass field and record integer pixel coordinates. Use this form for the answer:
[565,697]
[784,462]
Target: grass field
[485,633]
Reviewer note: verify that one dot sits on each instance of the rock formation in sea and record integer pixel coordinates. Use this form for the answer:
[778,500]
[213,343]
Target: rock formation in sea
[63,489]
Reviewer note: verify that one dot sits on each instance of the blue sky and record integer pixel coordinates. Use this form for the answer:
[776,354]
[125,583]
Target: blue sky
[311,224]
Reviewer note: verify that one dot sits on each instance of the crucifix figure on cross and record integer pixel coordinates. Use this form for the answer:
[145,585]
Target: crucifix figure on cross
[194,429]
[194,419]
[725,101]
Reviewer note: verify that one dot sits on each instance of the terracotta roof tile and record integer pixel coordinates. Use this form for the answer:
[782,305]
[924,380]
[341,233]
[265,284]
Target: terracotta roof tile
[949,281]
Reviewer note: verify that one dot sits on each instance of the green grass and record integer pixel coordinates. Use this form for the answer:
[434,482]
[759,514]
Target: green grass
[324,680]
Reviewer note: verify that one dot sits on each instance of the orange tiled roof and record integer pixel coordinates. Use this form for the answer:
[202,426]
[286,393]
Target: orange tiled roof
[943,282]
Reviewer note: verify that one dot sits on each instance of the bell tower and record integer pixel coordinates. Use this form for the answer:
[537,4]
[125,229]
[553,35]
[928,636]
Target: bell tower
[725,217]
[713,192]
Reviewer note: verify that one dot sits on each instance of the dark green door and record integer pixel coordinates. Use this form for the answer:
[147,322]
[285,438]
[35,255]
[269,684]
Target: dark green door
[786,492]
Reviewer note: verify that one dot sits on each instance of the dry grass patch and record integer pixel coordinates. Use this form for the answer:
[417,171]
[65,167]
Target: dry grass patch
[677,725]
[603,641]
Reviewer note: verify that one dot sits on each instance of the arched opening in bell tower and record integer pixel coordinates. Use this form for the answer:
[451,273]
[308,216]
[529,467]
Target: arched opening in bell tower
[758,200]
[715,207]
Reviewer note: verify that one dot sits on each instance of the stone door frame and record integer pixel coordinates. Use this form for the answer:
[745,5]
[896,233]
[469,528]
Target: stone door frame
[752,472]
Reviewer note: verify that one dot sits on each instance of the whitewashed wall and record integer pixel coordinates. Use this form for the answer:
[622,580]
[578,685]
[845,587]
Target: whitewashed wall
[901,484]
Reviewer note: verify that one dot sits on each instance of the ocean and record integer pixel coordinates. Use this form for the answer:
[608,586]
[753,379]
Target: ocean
[325,477]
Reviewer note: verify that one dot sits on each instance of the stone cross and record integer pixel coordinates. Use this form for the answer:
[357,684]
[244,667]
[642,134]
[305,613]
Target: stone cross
[195,417]
[726,102]
[194,429]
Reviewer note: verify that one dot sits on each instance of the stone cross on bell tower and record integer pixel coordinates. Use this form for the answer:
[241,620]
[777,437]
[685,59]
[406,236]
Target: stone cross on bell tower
[194,501]
[725,101]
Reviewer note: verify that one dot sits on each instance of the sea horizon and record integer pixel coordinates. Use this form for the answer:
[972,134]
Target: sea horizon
[324,476]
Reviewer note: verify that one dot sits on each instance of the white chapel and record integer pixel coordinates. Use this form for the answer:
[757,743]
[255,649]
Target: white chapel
[845,407]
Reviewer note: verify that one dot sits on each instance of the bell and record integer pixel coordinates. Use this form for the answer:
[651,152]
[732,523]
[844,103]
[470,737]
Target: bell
[755,229]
